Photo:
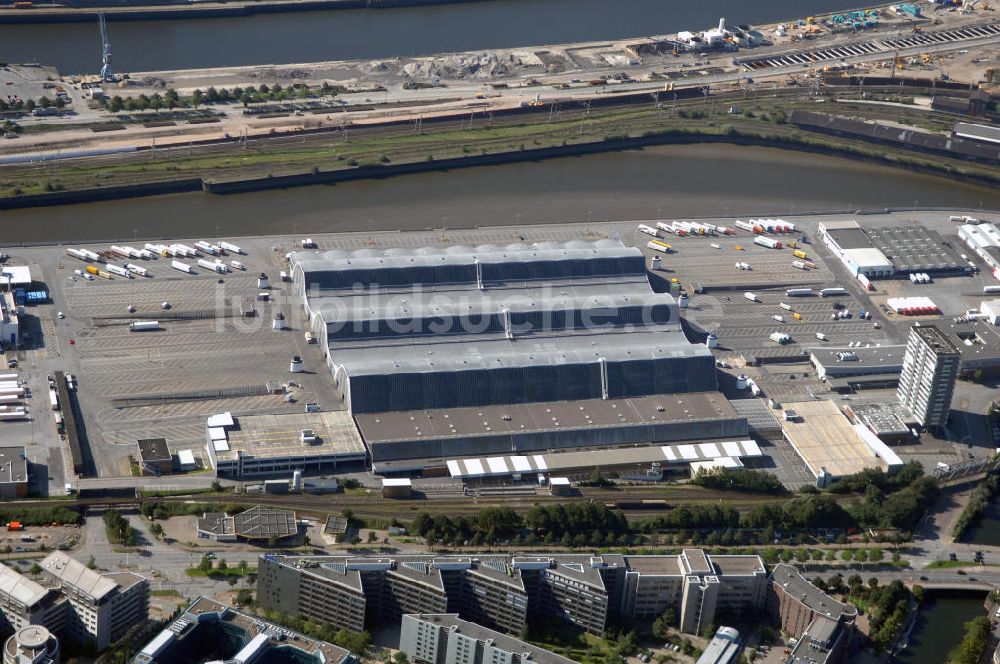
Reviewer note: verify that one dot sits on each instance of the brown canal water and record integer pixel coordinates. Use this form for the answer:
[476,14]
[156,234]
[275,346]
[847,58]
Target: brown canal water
[667,181]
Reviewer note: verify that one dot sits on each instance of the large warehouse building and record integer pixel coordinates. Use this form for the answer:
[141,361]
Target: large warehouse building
[446,328]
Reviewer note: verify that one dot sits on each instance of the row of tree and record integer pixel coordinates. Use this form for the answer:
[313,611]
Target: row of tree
[119,530]
[974,641]
[356,642]
[979,500]
[740,479]
[246,96]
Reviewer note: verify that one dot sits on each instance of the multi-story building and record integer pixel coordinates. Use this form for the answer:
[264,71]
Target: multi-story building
[101,607]
[505,592]
[25,602]
[823,626]
[210,630]
[447,639]
[930,368]
[31,645]
[73,601]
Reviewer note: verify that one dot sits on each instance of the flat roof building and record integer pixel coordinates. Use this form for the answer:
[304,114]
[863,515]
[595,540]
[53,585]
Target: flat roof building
[13,472]
[31,645]
[154,456]
[881,252]
[930,369]
[443,329]
[207,626]
[552,425]
[504,592]
[827,442]
[261,444]
[444,638]
[861,361]
[10,322]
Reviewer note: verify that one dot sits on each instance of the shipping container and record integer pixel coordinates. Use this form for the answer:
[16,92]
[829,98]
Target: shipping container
[655,245]
[832,292]
[90,269]
[104,274]
[237,265]
[665,227]
[144,325]
[724,230]
[9,398]
[228,246]
[751,296]
[648,230]
[90,254]
[146,254]
[798,253]
[786,307]
[137,269]
[800,265]
[745,225]
[799,292]
[76,253]
[768,242]
[54,399]
[679,230]
[183,267]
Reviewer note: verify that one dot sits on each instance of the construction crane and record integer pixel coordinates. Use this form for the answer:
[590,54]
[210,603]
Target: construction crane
[107,73]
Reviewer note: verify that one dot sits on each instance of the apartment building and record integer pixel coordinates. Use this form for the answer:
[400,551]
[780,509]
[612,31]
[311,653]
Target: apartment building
[505,592]
[101,607]
[930,368]
[447,639]
[823,626]
[26,602]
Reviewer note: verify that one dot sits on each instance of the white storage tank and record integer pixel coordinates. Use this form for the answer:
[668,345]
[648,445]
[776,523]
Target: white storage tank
[262,282]
[656,264]
[712,340]
[296,365]
[682,301]
[741,382]
[279,321]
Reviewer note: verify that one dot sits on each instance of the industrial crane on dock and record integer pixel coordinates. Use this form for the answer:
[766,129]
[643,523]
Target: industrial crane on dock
[107,73]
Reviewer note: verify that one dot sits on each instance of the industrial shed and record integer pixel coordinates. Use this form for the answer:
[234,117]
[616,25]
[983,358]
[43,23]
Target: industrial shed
[452,327]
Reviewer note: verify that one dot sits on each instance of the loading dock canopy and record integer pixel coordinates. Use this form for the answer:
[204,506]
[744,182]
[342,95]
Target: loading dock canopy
[565,461]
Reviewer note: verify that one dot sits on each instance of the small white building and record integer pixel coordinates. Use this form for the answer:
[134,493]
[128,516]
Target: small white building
[186,459]
[9,321]
[991,309]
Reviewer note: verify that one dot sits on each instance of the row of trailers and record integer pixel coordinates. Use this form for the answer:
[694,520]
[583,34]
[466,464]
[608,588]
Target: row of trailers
[873,47]
[151,251]
[12,393]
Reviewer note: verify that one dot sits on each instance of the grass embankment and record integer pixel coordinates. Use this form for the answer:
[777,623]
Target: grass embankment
[761,120]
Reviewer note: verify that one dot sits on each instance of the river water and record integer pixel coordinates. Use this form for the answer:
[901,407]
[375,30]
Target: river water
[666,181]
[939,627]
[378,33]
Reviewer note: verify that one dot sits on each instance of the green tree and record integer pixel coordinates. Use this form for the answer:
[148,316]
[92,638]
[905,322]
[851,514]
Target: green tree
[664,623]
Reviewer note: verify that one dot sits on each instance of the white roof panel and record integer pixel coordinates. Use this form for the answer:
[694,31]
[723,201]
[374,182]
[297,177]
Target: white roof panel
[709,449]
[397,481]
[474,467]
[559,481]
[497,466]
[221,420]
[669,453]
[750,448]
[520,464]
[688,451]
[186,457]
[454,469]
[540,462]
[221,445]
[732,448]
[217,433]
